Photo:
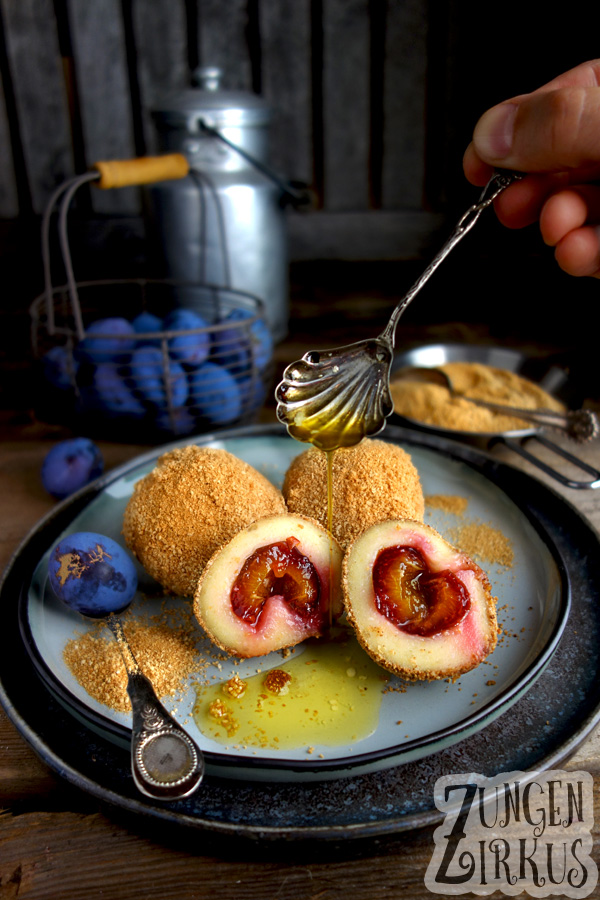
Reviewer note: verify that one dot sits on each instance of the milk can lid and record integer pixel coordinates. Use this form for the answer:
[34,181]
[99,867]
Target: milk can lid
[207,101]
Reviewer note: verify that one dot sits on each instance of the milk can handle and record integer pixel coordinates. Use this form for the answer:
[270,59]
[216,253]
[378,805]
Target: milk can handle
[297,194]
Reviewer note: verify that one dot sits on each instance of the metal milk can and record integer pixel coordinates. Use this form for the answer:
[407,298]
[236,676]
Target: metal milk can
[224,223]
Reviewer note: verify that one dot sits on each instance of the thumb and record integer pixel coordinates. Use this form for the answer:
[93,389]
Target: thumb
[549,131]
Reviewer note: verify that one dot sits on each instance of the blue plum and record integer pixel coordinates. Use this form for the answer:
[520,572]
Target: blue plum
[92,574]
[232,347]
[111,392]
[237,347]
[70,465]
[107,340]
[179,421]
[253,391]
[147,323]
[215,394]
[190,349]
[147,372]
[59,368]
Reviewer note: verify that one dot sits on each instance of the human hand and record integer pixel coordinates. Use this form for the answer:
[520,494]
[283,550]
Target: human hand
[553,134]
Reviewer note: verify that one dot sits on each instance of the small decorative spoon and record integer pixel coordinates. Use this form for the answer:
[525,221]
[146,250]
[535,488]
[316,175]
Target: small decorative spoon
[166,764]
[334,398]
[579,424]
[92,574]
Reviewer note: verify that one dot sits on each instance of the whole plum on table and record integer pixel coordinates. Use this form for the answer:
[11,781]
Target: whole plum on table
[70,465]
[92,574]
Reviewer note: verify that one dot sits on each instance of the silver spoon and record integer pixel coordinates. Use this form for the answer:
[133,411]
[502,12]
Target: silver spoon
[579,424]
[334,398]
[166,764]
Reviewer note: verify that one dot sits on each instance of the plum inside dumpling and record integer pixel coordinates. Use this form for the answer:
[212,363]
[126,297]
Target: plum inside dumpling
[270,586]
[420,608]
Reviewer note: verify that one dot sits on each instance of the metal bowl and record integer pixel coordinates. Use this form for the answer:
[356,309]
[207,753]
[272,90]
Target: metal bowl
[544,373]
[548,376]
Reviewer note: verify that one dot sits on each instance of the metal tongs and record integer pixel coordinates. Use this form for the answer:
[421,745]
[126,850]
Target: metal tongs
[334,398]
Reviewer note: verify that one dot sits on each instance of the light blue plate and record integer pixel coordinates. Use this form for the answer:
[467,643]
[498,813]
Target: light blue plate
[533,603]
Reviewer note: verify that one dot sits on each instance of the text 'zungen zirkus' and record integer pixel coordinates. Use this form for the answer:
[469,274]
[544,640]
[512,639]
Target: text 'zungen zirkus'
[517,832]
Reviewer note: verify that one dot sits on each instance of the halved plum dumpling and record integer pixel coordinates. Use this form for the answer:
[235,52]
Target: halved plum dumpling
[269,587]
[420,608]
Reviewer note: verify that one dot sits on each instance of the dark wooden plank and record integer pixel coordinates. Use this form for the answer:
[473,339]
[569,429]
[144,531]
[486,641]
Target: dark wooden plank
[101,67]
[346,104]
[39,92]
[222,41]
[161,45]
[83,854]
[9,204]
[367,235]
[404,104]
[286,84]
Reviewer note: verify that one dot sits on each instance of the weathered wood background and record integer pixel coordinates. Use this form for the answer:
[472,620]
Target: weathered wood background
[374,102]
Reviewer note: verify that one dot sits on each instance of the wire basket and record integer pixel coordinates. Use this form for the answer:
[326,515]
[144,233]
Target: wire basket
[145,358]
[168,380]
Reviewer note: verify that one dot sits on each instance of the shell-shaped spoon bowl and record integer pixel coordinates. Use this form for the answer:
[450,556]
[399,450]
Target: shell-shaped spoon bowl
[334,398]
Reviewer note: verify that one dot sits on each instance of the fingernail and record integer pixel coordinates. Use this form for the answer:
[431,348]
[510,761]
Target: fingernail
[493,136]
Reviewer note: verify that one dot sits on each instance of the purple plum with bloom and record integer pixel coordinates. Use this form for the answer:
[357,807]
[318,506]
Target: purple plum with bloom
[215,394]
[148,377]
[190,349]
[107,340]
[147,323]
[59,368]
[242,344]
[92,574]
[70,465]
[111,392]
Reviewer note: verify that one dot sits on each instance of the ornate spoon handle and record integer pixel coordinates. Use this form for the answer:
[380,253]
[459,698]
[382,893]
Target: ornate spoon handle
[497,183]
[166,764]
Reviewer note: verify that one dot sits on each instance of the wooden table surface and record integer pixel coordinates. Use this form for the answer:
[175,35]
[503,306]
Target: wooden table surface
[59,842]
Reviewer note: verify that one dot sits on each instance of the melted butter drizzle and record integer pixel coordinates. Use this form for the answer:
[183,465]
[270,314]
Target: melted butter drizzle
[332,585]
[330,694]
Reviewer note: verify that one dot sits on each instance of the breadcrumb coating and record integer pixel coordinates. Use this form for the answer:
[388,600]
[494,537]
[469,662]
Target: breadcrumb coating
[372,482]
[194,501]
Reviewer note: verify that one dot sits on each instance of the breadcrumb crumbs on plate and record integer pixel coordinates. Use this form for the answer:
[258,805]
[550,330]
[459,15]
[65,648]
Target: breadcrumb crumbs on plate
[448,503]
[483,541]
[163,647]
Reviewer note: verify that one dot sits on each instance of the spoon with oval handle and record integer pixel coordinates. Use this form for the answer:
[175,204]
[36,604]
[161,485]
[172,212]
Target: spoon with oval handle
[334,398]
[579,424]
[166,764]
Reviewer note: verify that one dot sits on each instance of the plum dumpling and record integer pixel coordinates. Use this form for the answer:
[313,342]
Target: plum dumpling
[420,608]
[270,586]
